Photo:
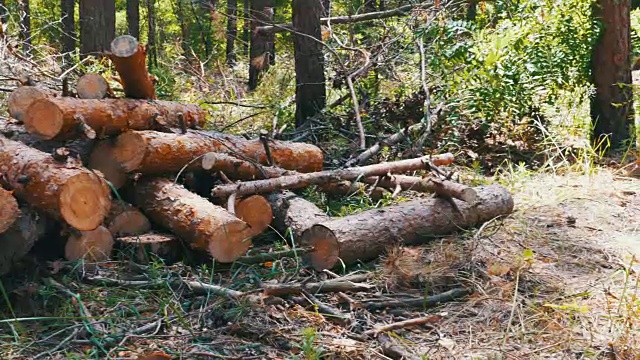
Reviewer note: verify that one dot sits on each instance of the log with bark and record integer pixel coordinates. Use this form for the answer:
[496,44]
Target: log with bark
[194,219]
[256,211]
[322,177]
[67,118]
[129,56]
[238,169]
[92,245]
[294,213]
[164,246]
[65,190]
[9,210]
[125,220]
[364,236]
[20,237]
[21,98]
[101,159]
[93,86]
[153,152]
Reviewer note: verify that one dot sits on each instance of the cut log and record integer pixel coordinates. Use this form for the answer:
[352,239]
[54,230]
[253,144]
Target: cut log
[129,56]
[194,219]
[21,98]
[64,190]
[101,159]
[153,152]
[366,235]
[164,246]
[126,220]
[9,210]
[92,246]
[20,237]
[66,118]
[93,86]
[237,169]
[255,211]
[294,213]
[321,177]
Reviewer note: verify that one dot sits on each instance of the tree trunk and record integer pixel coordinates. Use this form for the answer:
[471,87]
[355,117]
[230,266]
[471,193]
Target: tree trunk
[25,25]
[326,7]
[309,60]
[151,21]
[611,108]
[261,48]
[9,210]
[97,26]
[246,25]
[232,30]
[133,18]
[68,12]
[294,214]
[366,235]
[128,56]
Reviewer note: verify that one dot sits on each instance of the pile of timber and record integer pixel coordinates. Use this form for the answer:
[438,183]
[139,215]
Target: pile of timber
[141,172]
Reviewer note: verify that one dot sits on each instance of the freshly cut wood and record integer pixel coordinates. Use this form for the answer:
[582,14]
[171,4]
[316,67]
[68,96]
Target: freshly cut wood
[237,169]
[9,210]
[366,235]
[20,237]
[21,98]
[256,211]
[64,190]
[92,246]
[129,56]
[101,159]
[126,220]
[65,117]
[93,86]
[153,152]
[164,246]
[294,213]
[194,219]
[322,177]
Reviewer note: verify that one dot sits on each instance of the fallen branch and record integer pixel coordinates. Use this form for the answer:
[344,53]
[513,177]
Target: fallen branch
[219,290]
[394,351]
[327,311]
[272,256]
[399,325]
[294,213]
[390,141]
[333,285]
[420,302]
[129,56]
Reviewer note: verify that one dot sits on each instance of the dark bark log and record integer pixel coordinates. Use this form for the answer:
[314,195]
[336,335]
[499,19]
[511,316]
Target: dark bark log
[612,107]
[366,235]
[309,60]
[97,26]
[246,25]
[261,47]
[232,30]
[68,12]
[20,237]
[133,18]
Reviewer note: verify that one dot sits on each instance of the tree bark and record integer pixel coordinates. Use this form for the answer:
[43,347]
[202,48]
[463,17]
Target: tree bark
[92,246]
[152,152]
[133,18]
[21,98]
[128,56]
[246,25]
[612,107]
[261,47]
[93,86]
[64,190]
[65,117]
[126,220]
[151,43]
[68,12]
[364,236]
[16,241]
[97,26]
[232,30]
[9,210]
[294,214]
[194,219]
[309,60]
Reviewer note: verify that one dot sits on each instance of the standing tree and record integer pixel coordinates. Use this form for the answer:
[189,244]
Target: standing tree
[152,58]
[68,12]
[3,17]
[232,30]
[246,25]
[261,49]
[611,108]
[310,81]
[97,25]
[133,18]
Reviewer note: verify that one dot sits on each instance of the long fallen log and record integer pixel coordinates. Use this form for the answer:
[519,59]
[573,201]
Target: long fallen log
[366,235]
[194,219]
[129,56]
[20,237]
[21,98]
[9,210]
[294,213]
[153,152]
[322,177]
[65,190]
[66,118]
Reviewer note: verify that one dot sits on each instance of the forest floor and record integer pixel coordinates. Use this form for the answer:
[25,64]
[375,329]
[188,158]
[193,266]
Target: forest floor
[558,279]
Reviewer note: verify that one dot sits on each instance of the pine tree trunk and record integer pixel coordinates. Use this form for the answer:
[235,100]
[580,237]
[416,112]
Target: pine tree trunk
[232,30]
[310,80]
[68,25]
[246,25]
[133,18]
[611,108]
[261,47]
[97,26]
[152,58]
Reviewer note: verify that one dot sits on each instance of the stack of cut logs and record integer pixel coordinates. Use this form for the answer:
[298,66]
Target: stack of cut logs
[113,171]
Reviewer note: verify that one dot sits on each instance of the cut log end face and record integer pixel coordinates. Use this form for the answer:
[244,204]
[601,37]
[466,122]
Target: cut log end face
[92,86]
[9,210]
[101,159]
[129,223]
[44,119]
[129,150]
[326,248]
[21,98]
[231,242]
[124,46]
[84,201]
[92,246]
[255,211]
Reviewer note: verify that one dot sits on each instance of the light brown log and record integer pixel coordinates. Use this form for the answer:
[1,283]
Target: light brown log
[321,177]
[101,159]
[129,56]
[64,190]
[194,219]
[92,86]
[256,211]
[164,246]
[294,213]
[9,210]
[16,241]
[92,246]
[366,235]
[126,220]
[63,118]
[153,152]
[21,98]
